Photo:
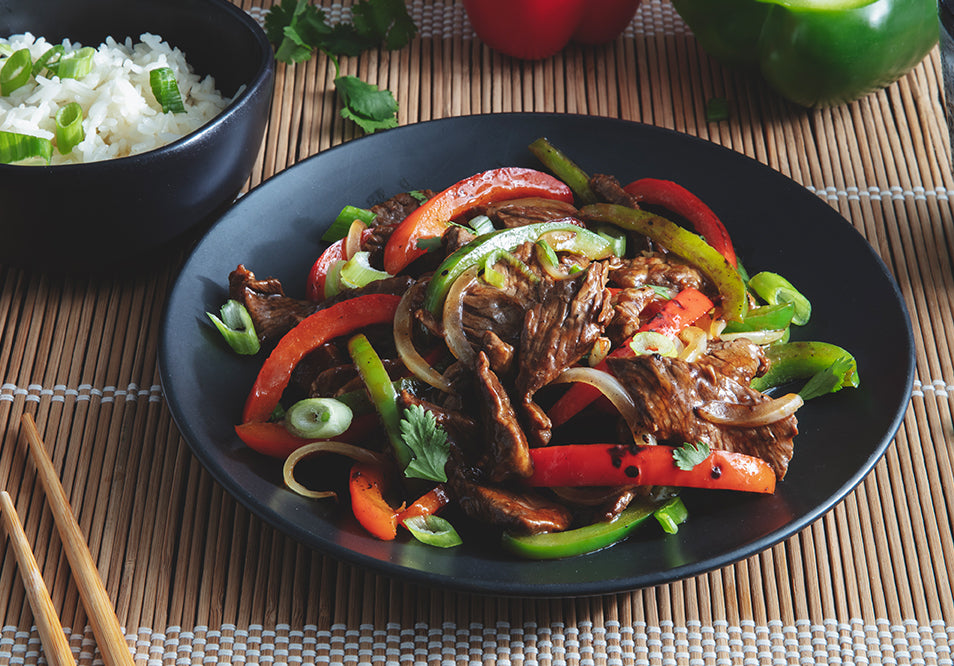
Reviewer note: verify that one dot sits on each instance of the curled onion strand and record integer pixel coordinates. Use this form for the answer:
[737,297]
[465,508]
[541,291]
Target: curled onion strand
[318,448]
[751,415]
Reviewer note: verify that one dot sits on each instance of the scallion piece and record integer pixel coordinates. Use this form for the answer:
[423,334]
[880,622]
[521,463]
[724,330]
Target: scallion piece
[433,530]
[237,328]
[481,224]
[342,224]
[671,515]
[16,71]
[318,418]
[358,272]
[49,61]
[69,127]
[164,87]
[21,148]
[75,65]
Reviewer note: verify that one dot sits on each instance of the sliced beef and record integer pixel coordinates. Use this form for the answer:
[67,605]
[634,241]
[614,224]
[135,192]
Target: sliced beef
[454,238]
[507,454]
[499,353]
[741,359]
[272,312]
[398,207]
[628,306]
[521,212]
[658,270]
[518,512]
[460,427]
[667,392]
[396,286]
[610,190]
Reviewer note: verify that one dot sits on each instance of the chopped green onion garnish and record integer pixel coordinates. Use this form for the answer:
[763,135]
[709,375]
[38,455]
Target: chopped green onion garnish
[671,515]
[333,278]
[420,196]
[428,244]
[69,127]
[16,71]
[357,271]
[342,224]
[318,418]
[481,225]
[433,530]
[164,87]
[237,328]
[5,50]
[19,148]
[616,237]
[49,61]
[652,342]
[75,65]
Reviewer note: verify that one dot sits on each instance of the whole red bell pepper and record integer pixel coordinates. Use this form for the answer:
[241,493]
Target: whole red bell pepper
[618,465]
[679,200]
[680,311]
[313,331]
[534,29]
[431,219]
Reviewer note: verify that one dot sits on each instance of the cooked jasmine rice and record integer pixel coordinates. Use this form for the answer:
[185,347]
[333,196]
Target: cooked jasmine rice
[120,113]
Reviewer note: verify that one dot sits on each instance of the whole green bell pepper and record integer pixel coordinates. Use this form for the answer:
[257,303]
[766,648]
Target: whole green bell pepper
[816,52]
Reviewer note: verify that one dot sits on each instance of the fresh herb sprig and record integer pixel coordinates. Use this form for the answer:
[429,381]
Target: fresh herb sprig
[298,29]
[427,441]
[688,455]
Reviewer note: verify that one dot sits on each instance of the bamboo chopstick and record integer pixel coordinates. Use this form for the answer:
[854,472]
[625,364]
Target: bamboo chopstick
[102,616]
[56,649]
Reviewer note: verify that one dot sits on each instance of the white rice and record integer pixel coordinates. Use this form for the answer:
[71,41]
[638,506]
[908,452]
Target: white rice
[121,114]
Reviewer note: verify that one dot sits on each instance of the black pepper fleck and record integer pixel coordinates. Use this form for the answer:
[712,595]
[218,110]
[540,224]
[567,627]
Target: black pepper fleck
[716,472]
[631,471]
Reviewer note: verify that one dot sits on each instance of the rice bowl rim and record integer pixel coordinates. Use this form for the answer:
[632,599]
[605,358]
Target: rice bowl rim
[184,143]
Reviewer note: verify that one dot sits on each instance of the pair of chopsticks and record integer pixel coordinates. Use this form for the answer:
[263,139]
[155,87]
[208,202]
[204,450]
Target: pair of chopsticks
[101,614]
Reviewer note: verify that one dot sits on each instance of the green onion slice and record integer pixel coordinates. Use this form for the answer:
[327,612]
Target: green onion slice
[671,515]
[237,328]
[433,530]
[318,418]
[69,127]
[358,272]
[481,224]
[652,342]
[49,61]
[16,71]
[24,148]
[75,65]
[164,87]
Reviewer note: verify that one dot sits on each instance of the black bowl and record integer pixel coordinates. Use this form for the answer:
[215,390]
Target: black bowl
[118,212]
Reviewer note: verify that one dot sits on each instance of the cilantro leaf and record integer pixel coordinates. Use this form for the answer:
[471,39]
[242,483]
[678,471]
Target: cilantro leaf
[427,441]
[831,379]
[366,104]
[433,530]
[688,456]
[295,28]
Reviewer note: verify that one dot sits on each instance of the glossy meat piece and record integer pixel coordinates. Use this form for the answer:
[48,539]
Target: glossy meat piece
[506,452]
[667,391]
[518,512]
[521,212]
[272,312]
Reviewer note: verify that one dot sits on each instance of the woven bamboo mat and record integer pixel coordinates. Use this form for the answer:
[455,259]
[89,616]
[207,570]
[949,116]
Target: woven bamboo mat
[197,579]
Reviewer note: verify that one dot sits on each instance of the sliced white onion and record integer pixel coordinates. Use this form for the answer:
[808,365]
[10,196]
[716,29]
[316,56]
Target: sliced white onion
[757,337]
[609,386]
[753,415]
[317,448]
[695,342]
[453,316]
[352,243]
[403,341]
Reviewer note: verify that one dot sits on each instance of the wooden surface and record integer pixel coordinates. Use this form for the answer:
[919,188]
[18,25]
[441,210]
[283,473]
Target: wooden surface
[196,579]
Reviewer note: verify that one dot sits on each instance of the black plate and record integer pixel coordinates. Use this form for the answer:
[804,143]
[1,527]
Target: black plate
[776,225]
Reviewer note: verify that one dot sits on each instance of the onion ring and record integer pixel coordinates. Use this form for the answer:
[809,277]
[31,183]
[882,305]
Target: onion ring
[316,448]
[453,319]
[752,415]
[403,341]
[609,386]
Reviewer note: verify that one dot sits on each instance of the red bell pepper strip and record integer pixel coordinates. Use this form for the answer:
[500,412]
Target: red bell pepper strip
[679,200]
[679,312]
[432,217]
[427,504]
[339,319]
[619,465]
[366,485]
[315,288]
[273,439]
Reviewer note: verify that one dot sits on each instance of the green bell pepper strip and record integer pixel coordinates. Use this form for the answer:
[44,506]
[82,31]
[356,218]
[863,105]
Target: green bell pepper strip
[765,318]
[686,244]
[383,395]
[555,545]
[816,52]
[791,361]
[775,289]
[583,242]
[565,169]
[339,228]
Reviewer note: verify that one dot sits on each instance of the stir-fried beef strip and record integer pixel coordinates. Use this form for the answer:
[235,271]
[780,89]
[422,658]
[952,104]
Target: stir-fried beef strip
[609,189]
[741,360]
[454,238]
[517,512]
[507,454]
[396,286]
[559,327]
[667,392]
[272,312]
[628,307]
[521,212]
[499,354]
[658,270]
[398,207]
